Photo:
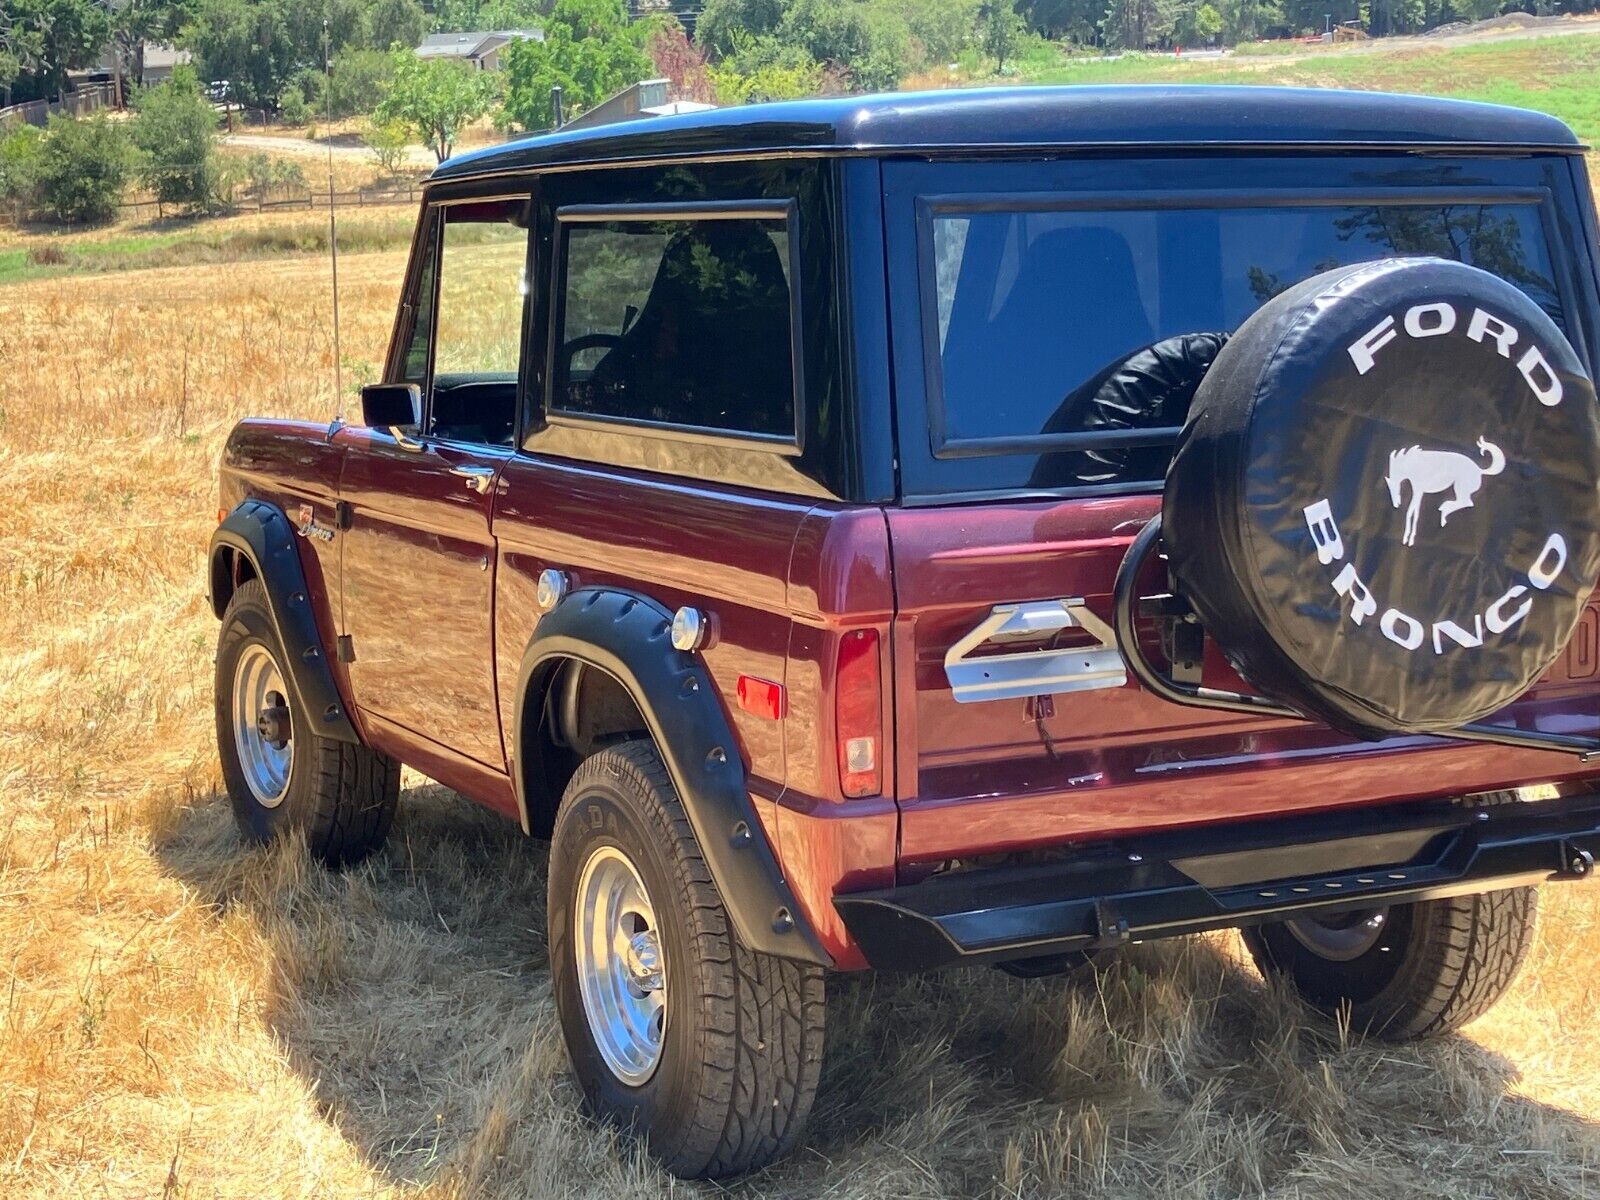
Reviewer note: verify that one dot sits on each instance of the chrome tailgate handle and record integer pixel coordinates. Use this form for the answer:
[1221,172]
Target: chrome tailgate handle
[1024,673]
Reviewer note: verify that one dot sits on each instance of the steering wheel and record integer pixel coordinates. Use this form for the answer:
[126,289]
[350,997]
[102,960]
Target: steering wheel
[589,341]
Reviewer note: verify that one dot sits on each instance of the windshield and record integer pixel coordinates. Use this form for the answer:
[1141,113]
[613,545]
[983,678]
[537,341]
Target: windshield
[1070,340]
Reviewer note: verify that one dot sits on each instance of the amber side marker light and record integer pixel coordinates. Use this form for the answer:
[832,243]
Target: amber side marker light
[858,713]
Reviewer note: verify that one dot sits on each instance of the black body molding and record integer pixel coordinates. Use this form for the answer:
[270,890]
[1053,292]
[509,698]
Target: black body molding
[263,534]
[628,636]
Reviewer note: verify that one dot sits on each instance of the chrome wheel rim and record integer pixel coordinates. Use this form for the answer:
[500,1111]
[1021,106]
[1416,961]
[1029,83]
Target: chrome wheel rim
[1343,937]
[262,729]
[622,974]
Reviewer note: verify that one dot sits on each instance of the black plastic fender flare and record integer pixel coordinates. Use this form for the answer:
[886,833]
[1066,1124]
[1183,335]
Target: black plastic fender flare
[627,636]
[263,534]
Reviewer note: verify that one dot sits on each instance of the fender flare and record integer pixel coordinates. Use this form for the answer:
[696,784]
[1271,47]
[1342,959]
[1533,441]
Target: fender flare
[263,534]
[627,636]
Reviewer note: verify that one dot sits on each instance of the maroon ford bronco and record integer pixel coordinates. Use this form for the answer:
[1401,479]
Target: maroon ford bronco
[950,529]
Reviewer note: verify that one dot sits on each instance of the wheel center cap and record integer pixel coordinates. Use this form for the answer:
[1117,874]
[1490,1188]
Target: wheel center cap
[273,723]
[644,959]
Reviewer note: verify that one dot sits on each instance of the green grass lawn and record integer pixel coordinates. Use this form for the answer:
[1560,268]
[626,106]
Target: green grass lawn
[1558,75]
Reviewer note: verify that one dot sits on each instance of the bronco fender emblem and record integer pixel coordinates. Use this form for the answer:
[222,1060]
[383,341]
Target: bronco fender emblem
[306,525]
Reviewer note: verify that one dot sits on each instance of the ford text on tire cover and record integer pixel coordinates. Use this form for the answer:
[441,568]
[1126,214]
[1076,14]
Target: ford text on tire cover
[956,529]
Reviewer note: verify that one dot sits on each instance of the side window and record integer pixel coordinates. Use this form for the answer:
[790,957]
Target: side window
[477,321]
[416,362]
[685,322]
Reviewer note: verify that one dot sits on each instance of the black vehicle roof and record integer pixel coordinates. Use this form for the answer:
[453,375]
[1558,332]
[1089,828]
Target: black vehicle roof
[1027,118]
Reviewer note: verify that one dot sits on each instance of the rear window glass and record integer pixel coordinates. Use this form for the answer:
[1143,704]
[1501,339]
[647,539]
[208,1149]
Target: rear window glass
[1071,340]
[679,323]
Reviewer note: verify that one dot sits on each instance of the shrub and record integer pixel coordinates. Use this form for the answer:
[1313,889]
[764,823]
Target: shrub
[389,142]
[83,167]
[292,107]
[175,130]
[20,152]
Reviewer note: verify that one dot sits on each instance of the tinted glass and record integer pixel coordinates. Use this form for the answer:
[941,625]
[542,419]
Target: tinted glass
[1055,324]
[416,364]
[682,323]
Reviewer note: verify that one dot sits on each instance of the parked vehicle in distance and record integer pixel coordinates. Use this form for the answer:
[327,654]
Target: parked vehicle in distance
[983,527]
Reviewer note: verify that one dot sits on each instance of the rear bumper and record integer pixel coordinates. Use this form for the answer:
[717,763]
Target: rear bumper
[1239,874]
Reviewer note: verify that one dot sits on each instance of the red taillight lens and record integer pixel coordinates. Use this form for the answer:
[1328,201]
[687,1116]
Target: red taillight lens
[858,713]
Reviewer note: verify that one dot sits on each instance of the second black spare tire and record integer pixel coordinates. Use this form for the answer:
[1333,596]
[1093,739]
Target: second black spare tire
[1383,505]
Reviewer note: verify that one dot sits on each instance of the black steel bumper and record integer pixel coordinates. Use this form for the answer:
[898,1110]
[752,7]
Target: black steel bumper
[1193,880]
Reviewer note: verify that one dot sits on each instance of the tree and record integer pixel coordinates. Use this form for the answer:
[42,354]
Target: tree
[590,51]
[48,38]
[246,42]
[83,167]
[358,81]
[676,58]
[389,142]
[392,23]
[175,130]
[724,22]
[436,98]
[1138,24]
[941,29]
[1001,28]
[1246,20]
[1197,25]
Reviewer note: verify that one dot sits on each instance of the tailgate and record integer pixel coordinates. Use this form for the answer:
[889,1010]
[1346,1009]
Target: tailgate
[1018,771]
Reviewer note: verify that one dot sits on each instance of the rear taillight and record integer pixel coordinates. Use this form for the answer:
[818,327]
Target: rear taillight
[858,712]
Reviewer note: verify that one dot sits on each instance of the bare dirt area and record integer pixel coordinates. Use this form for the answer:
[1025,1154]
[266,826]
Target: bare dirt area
[183,1018]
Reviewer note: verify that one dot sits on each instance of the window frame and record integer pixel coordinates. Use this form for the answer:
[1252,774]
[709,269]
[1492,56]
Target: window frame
[570,215]
[429,235]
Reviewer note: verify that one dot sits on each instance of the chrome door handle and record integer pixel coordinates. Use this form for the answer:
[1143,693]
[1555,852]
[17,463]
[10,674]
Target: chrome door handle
[477,478]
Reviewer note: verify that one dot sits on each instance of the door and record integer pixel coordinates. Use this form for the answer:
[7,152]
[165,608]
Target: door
[419,560]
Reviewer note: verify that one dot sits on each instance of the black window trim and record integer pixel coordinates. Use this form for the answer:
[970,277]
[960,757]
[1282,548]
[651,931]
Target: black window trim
[787,211]
[933,206]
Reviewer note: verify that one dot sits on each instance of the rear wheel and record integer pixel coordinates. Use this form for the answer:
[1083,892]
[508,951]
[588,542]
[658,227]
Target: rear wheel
[280,774]
[1406,971]
[707,1050]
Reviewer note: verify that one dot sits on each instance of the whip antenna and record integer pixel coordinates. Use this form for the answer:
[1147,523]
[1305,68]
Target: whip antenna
[333,220]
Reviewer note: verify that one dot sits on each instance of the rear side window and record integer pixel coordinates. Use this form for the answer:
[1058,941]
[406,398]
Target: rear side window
[1065,344]
[677,321]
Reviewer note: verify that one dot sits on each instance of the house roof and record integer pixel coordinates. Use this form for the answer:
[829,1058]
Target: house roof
[1004,120]
[474,44]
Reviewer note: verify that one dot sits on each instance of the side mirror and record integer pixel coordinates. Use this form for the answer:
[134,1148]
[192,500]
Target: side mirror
[388,405]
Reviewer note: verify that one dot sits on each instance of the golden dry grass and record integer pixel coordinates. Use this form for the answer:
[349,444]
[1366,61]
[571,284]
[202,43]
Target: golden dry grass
[182,1018]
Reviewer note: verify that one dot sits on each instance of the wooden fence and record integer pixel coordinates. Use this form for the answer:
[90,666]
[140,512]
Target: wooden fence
[281,200]
[73,104]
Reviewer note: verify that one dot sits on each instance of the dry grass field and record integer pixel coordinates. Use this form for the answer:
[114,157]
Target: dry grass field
[180,1017]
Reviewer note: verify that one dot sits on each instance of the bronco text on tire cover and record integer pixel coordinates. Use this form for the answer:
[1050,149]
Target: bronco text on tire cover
[1383,505]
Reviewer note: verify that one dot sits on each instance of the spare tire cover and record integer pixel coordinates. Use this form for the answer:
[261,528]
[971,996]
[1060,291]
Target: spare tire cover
[1383,505]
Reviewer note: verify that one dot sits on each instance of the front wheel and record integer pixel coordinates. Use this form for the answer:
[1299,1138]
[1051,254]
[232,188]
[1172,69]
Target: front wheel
[1406,971]
[707,1050]
[280,773]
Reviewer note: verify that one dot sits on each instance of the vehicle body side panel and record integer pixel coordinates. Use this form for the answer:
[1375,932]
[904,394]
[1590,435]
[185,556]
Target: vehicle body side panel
[290,464]
[418,589]
[839,580]
[724,551]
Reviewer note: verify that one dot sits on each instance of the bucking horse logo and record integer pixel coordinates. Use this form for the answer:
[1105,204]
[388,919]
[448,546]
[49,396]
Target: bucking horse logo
[1431,472]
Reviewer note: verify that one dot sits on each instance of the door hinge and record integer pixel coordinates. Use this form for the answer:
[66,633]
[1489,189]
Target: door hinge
[343,515]
[345,649]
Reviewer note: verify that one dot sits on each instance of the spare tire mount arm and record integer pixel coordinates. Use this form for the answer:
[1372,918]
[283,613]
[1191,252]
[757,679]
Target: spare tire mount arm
[1125,603]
